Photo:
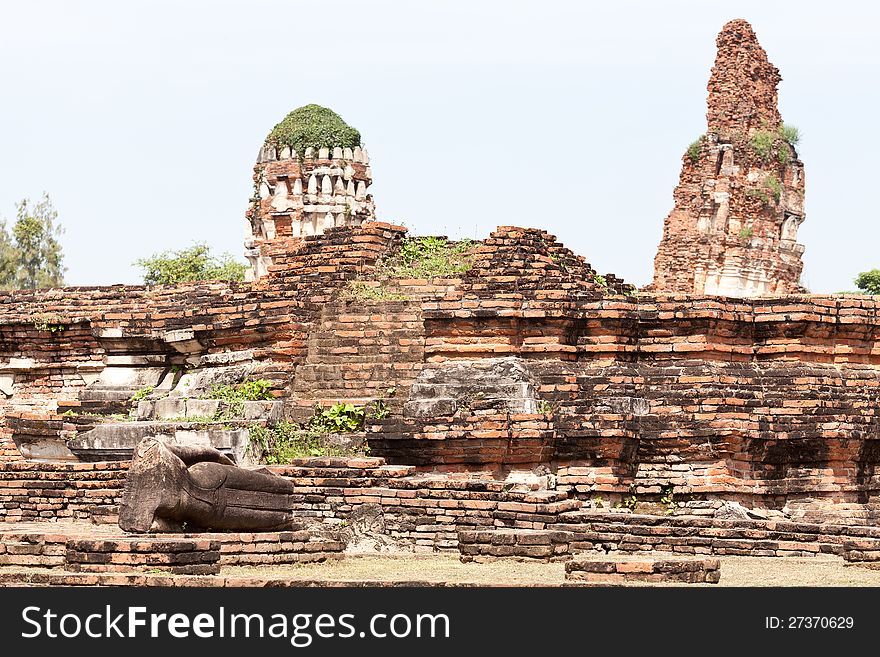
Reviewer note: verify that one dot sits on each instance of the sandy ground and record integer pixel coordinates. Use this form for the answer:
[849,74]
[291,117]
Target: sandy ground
[735,571]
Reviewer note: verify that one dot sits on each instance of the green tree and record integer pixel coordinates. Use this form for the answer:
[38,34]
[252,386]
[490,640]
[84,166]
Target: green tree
[869,281]
[193,264]
[7,259]
[31,256]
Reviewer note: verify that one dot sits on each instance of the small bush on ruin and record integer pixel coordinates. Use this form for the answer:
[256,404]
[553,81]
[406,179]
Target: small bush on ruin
[774,186]
[762,143]
[789,133]
[746,233]
[316,127]
[193,264]
[759,194]
[694,150]
[142,394]
[339,418]
[257,390]
[286,441]
[429,257]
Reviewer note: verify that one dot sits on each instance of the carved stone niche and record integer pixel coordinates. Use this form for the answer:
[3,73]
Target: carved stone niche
[172,487]
[790,227]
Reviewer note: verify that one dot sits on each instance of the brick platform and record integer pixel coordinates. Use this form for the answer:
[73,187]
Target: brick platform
[522,544]
[85,548]
[176,556]
[655,568]
[583,531]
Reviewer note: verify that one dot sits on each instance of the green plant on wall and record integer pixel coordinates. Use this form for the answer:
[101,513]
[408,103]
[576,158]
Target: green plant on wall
[695,148]
[48,322]
[789,133]
[339,418]
[287,440]
[316,127]
[141,394]
[762,143]
[256,390]
[774,187]
[429,257]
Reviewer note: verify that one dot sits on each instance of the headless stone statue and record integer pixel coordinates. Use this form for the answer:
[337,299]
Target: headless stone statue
[172,486]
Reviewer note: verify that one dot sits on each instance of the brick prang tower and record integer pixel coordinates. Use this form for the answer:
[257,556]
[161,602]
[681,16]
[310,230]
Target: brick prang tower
[302,194]
[740,197]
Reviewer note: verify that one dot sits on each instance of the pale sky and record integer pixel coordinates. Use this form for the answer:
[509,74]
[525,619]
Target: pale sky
[143,119]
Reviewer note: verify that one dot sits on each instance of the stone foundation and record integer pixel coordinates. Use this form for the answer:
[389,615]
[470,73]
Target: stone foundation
[658,568]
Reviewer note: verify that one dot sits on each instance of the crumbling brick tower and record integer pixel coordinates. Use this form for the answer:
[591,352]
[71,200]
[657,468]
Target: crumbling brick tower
[740,198]
[312,173]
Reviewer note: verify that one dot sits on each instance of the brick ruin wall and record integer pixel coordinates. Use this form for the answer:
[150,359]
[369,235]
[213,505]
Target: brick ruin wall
[528,360]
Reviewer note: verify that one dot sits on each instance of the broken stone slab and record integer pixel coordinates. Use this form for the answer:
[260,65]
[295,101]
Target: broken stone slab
[224,358]
[419,408]
[183,341]
[271,411]
[198,383]
[169,407]
[135,359]
[202,407]
[19,364]
[129,378]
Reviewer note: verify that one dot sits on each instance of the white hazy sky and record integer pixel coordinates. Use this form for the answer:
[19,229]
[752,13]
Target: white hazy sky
[143,119]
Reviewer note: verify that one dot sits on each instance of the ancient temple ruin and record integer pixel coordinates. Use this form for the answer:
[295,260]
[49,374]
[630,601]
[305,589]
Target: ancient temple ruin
[518,405]
[740,198]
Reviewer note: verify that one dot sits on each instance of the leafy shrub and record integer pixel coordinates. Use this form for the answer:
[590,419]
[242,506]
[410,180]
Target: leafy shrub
[695,149]
[286,441]
[314,126]
[869,281]
[758,193]
[193,264]
[429,257]
[141,394]
[746,233]
[339,418]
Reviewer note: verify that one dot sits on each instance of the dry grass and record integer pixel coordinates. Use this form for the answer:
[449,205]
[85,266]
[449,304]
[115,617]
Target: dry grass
[735,571]
[413,567]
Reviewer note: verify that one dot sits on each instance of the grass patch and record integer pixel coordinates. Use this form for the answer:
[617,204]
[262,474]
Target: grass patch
[746,232]
[774,187]
[789,133]
[762,143]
